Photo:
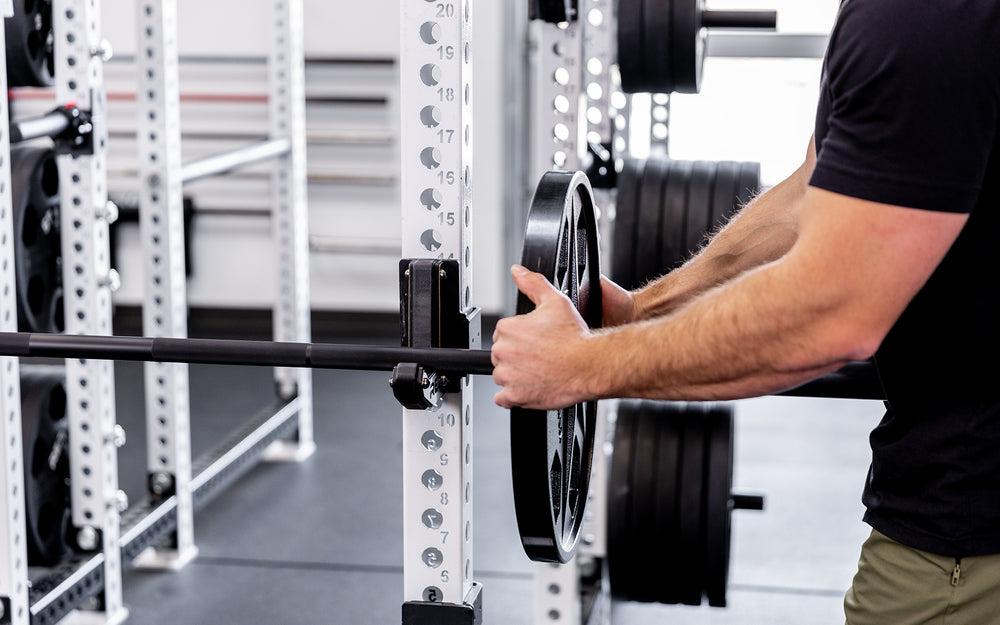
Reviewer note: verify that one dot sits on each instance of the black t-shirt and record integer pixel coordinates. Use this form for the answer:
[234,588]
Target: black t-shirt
[908,115]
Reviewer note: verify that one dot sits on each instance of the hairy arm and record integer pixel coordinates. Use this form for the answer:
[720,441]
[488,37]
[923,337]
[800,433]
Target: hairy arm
[761,232]
[829,300]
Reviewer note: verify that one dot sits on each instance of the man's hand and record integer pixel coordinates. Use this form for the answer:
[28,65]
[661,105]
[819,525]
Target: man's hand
[535,355]
[619,305]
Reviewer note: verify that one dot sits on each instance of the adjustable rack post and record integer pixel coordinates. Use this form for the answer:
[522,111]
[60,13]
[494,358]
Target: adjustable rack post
[289,215]
[164,310]
[13,538]
[436,56]
[554,101]
[96,500]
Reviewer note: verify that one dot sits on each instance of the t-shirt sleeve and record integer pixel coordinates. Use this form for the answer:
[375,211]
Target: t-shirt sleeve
[912,108]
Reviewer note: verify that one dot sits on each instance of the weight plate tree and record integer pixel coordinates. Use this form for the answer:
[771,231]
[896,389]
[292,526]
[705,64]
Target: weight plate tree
[560,242]
[670,502]
[661,43]
[30,58]
[37,245]
[656,232]
[45,437]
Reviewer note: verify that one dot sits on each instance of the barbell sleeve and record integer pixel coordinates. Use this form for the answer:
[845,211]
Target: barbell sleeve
[51,124]
[766,20]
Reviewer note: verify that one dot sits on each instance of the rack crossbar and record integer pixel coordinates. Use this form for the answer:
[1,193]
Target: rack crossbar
[228,161]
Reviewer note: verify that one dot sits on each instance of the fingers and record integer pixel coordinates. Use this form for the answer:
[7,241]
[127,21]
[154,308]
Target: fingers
[534,285]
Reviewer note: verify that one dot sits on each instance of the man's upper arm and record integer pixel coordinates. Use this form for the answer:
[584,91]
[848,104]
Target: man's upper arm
[868,260]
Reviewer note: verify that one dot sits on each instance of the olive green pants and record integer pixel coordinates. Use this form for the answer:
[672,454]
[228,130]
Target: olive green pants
[897,585]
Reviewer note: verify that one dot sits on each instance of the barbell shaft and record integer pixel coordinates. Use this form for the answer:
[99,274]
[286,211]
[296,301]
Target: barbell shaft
[228,161]
[740,19]
[241,352]
[855,381]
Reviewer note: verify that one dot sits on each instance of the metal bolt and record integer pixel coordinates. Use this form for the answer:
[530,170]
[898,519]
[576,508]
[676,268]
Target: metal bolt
[120,501]
[161,483]
[443,274]
[112,281]
[104,50]
[109,213]
[86,538]
[117,436]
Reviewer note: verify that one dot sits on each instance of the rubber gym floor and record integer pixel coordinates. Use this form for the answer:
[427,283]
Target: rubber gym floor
[320,542]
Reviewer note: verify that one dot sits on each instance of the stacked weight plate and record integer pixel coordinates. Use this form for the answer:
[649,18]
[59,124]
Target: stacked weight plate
[670,501]
[29,38]
[37,244]
[667,207]
[45,432]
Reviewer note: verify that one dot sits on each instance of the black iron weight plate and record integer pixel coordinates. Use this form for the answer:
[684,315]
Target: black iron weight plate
[30,59]
[665,511]
[644,487]
[626,217]
[718,502]
[699,205]
[674,202]
[37,246]
[691,549]
[631,51]
[649,229]
[749,182]
[658,76]
[687,45]
[552,451]
[45,441]
[621,569]
[724,192]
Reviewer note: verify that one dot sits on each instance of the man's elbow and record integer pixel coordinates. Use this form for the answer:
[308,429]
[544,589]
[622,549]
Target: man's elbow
[851,339]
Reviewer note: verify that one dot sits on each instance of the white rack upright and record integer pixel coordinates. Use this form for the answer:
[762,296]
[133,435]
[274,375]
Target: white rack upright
[436,60]
[13,541]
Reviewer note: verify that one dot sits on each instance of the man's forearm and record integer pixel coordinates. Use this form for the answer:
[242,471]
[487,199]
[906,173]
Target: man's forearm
[761,232]
[760,333]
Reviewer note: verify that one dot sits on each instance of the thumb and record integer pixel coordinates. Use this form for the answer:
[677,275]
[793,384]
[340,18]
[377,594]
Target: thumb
[533,285]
